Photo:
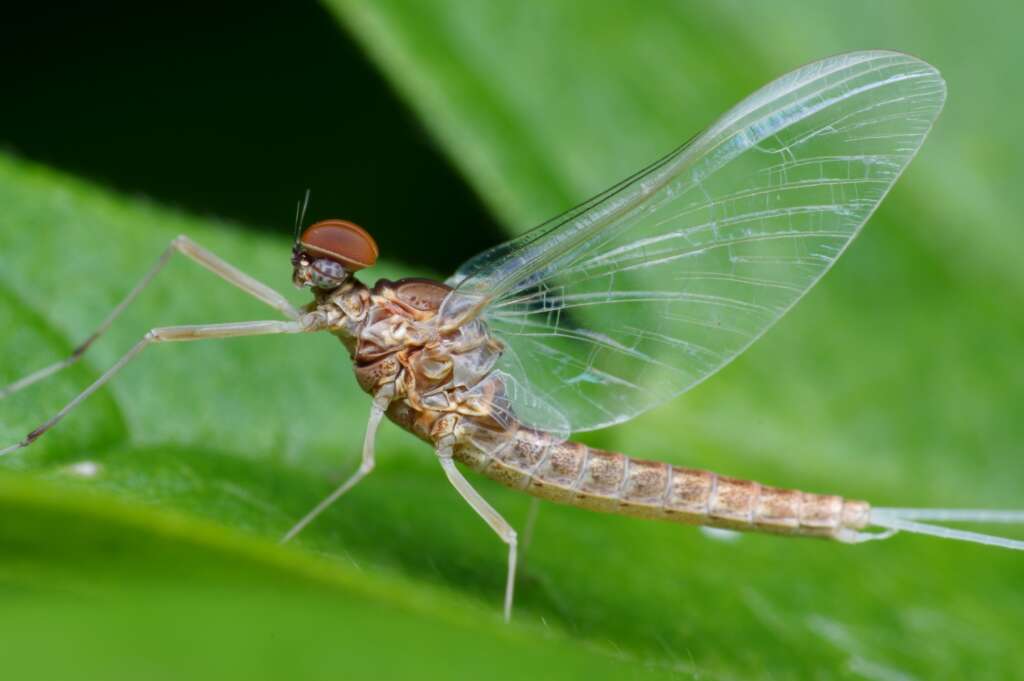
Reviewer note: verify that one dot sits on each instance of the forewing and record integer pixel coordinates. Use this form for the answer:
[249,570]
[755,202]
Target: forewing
[651,287]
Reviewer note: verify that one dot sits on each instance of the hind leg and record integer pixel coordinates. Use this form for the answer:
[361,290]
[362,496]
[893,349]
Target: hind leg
[490,516]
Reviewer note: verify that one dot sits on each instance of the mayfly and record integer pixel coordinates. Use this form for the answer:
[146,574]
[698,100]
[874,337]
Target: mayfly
[612,308]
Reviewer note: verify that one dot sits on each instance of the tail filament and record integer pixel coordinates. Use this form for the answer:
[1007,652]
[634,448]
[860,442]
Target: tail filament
[893,520]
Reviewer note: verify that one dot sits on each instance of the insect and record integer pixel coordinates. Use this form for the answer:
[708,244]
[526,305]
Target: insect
[613,307]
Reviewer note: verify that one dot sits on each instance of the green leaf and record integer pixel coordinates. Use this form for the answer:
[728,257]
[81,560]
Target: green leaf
[114,527]
[97,589]
[897,380]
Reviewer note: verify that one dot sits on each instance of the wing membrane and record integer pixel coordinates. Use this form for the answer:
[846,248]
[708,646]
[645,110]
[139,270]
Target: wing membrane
[652,286]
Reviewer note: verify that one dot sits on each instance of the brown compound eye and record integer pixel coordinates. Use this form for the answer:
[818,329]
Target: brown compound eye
[342,241]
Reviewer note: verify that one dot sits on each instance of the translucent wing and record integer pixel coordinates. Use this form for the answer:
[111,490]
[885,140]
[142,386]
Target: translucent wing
[508,403]
[652,286]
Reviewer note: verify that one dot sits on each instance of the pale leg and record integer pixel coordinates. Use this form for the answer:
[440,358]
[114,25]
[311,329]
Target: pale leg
[531,522]
[311,322]
[195,252]
[380,405]
[490,516]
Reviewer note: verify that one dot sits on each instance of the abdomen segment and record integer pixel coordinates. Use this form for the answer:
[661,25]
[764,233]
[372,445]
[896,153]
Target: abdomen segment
[575,474]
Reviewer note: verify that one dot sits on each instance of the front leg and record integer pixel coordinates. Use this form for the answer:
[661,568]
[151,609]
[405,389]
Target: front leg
[195,252]
[175,334]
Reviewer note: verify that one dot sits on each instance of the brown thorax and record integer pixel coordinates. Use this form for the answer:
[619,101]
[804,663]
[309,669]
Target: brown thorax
[392,330]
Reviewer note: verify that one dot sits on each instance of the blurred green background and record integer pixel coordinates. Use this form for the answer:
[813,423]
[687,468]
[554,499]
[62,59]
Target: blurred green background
[443,127]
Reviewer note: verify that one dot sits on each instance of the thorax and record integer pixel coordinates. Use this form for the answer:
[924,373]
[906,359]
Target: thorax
[397,344]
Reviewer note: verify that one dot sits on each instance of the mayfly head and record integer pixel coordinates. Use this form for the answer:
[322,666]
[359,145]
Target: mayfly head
[328,252]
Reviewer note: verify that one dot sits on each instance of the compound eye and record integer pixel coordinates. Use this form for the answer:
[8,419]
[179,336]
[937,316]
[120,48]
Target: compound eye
[342,241]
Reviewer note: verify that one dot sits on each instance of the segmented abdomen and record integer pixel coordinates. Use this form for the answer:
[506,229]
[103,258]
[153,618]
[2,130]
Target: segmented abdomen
[573,473]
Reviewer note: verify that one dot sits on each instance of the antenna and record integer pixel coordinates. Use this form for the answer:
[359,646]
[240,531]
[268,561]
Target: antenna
[300,214]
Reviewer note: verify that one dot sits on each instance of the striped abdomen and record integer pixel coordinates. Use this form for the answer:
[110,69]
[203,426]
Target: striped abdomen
[573,473]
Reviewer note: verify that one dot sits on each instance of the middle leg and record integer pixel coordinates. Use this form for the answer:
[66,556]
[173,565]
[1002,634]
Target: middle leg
[380,404]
